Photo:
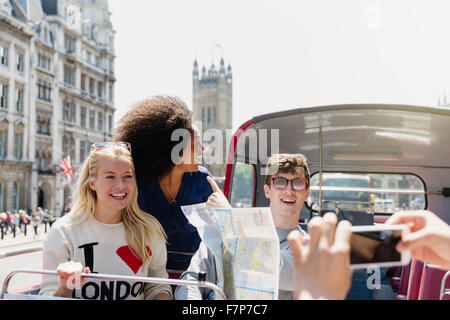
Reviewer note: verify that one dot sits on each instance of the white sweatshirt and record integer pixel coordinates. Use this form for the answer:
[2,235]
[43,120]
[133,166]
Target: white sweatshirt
[103,248]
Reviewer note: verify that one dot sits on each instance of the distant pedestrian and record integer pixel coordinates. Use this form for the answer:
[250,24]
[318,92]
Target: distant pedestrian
[8,221]
[40,214]
[14,220]
[44,218]
[35,221]
[23,221]
[51,218]
[3,223]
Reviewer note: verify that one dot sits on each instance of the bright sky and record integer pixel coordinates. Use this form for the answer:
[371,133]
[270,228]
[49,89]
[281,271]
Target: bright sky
[285,53]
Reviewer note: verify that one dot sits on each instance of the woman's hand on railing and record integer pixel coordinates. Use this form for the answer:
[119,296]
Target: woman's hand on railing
[69,278]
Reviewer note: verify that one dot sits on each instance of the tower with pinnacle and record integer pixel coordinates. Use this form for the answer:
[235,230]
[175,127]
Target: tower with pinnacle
[212,105]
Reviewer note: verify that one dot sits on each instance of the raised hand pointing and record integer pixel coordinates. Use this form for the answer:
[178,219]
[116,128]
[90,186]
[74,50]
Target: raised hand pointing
[217,199]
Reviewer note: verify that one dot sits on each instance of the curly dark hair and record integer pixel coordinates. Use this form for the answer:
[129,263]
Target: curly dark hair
[148,127]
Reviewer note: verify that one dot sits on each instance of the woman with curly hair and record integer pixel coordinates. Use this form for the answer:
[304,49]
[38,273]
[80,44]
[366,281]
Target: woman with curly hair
[167,170]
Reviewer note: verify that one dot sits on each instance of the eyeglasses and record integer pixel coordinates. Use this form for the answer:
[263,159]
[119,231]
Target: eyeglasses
[103,145]
[297,184]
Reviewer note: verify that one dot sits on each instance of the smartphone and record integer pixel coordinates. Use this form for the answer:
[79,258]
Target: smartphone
[375,245]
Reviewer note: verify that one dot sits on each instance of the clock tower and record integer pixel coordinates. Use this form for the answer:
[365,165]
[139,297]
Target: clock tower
[212,105]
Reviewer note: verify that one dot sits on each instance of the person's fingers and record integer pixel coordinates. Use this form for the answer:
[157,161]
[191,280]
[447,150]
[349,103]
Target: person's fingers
[213,184]
[342,237]
[314,231]
[411,240]
[328,230]
[414,219]
[84,279]
[295,241]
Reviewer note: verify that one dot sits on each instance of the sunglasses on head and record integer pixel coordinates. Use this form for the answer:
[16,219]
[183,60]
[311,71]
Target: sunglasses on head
[297,184]
[103,145]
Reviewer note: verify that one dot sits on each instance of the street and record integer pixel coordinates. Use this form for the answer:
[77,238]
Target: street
[31,260]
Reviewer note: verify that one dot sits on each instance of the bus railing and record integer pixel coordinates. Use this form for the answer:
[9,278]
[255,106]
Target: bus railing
[19,252]
[200,283]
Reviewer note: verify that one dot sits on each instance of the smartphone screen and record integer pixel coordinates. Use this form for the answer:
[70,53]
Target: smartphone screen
[375,247]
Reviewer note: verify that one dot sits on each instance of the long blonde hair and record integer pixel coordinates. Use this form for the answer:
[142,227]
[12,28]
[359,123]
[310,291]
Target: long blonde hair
[141,228]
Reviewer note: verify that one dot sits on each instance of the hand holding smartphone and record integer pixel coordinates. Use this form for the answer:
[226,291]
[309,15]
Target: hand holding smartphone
[375,245]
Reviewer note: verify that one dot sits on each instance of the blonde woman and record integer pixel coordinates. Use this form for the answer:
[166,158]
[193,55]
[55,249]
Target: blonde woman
[106,232]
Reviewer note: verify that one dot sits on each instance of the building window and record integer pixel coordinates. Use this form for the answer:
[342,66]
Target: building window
[70,110]
[83,117]
[66,116]
[110,122]
[209,115]
[92,119]
[19,62]
[73,112]
[18,137]
[82,150]
[83,82]
[15,196]
[3,96]
[100,89]
[69,147]
[91,85]
[214,114]
[44,91]
[19,100]
[88,56]
[111,91]
[43,126]
[3,139]
[69,44]
[44,62]
[69,75]
[100,121]
[3,55]
[1,196]
[203,115]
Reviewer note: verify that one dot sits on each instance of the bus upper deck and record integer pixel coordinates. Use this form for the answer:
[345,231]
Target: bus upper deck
[367,160]
[405,147]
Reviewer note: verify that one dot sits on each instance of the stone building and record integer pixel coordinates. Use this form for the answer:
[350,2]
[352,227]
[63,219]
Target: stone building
[57,94]
[213,107]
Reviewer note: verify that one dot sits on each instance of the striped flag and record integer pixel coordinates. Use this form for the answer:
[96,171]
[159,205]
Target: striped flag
[67,167]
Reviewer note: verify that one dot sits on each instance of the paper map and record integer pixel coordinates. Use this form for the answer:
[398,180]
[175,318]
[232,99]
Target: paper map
[246,248]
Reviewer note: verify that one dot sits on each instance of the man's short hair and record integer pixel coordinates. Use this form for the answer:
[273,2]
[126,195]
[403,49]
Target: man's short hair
[286,163]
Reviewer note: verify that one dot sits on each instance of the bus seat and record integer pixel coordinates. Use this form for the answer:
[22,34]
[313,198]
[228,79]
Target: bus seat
[415,280]
[380,219]
[357,218]
[431,282]
[395,274]
[403,288]
[174,274]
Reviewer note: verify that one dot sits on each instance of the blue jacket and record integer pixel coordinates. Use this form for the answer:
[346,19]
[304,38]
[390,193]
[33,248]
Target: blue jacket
[182,236]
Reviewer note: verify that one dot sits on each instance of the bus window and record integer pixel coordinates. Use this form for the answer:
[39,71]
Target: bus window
[242,186]
[382,193]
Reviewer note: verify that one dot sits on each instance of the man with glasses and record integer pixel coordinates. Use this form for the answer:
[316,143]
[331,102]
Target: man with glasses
[287,188]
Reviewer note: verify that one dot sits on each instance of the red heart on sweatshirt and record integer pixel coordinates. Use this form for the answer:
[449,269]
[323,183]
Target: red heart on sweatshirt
[131,260]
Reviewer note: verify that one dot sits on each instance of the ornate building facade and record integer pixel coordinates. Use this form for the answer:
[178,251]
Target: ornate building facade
[213,107]
[56,92]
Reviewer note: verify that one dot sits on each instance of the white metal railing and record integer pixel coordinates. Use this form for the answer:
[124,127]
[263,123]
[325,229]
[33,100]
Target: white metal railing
[4,289]
[199,283]
[19,252]
[444,280]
